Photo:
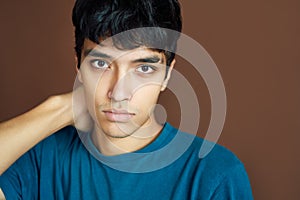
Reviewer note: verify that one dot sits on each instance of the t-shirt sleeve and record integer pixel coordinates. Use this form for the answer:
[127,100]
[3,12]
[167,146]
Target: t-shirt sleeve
[235,185]
[20,179]
[23,179]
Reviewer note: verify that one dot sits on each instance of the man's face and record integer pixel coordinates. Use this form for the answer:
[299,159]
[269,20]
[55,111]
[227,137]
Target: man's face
[122,86]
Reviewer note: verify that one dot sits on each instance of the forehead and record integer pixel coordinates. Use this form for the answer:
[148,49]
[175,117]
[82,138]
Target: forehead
[108,48]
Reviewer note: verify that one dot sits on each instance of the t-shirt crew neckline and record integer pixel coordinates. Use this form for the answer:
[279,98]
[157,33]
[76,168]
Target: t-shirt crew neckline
[161,140]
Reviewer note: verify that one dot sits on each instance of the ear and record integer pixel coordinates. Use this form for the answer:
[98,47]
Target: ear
[165,83]
[78,72]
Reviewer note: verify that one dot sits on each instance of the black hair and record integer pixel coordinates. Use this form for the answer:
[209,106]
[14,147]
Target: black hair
[95,19]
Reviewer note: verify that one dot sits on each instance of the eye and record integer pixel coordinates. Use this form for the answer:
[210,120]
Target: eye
[99,64]
[146,69]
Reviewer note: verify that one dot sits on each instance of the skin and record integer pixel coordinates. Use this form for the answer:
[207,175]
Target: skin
[121,89]
[2,197]
[122,86]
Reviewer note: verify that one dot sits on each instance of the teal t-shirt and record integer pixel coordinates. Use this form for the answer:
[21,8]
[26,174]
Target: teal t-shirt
[61,167]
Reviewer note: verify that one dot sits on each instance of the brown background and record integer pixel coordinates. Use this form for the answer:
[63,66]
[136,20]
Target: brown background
[254,43]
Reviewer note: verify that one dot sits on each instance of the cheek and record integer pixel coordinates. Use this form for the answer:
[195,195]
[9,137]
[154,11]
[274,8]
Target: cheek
[89,80]
[145,98]
[101,93]
[96,98]
[91,90]
[94,85]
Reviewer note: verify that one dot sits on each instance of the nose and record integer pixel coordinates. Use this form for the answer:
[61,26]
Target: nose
[122,87]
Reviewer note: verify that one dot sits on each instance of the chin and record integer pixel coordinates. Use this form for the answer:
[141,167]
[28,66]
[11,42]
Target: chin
[118,130]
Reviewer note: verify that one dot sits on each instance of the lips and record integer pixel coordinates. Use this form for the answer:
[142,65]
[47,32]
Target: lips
[118,115]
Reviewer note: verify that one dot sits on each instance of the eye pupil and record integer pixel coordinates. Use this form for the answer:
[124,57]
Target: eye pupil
[145,68]
[101,63]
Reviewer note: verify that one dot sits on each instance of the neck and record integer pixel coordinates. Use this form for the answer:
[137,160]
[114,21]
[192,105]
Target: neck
[140,138]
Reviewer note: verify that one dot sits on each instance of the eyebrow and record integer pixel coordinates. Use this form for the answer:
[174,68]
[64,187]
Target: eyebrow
[152,59]
[96,53]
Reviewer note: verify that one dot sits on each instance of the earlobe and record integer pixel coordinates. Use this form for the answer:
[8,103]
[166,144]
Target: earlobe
[165,83]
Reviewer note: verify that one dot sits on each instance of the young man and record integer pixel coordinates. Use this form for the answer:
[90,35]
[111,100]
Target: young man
[121,151]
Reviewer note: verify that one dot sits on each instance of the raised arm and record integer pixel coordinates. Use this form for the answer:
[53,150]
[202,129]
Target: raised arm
[21,133]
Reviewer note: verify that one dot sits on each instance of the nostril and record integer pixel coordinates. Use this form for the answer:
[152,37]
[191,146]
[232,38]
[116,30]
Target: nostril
[122,88]
[120,94]
[109,94]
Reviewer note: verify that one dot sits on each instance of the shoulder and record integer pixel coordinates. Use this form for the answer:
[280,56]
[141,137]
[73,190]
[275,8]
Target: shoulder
[222,172]
[66,133]
[203,151]
[215,155]
[38,164]
[57,144]
[63,137]
[213,160]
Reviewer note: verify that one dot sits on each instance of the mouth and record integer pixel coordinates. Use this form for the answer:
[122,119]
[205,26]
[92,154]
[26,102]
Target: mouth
[118,115]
